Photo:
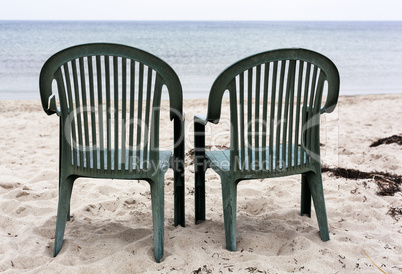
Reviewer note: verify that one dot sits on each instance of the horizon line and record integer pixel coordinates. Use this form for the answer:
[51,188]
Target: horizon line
[197,20]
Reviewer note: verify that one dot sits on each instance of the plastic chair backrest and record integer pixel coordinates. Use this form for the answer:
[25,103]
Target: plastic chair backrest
[275,101]
[108,97]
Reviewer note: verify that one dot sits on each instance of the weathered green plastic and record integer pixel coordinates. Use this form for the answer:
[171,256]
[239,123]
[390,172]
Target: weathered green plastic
[108,98]
[276,98]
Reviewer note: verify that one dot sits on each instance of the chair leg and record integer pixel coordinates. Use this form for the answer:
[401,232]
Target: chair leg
[229,199]
[69,203]
[199,191]
[179,189]
[179,206]
[317,192]
[200,167]
[68,211]
[305,197]
[158,215]
[63,211]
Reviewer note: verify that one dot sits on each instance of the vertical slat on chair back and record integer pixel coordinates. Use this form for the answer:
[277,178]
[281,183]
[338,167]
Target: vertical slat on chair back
[275,105]
[110,104]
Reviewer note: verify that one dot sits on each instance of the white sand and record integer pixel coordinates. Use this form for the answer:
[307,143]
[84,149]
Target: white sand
[111,227]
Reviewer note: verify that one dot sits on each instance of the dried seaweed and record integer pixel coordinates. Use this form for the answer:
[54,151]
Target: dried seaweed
[389,140]
[204,269]
[387,183]
[395,212]
[191,152]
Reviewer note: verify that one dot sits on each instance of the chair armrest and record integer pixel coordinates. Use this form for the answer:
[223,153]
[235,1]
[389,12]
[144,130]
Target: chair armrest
[179,144]
[200,119]
[333,92]
[53,106]
[50,107]
[48,98]
[330,104]
[199,133]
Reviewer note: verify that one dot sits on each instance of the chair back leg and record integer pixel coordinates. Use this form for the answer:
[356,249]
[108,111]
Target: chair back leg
[305,197]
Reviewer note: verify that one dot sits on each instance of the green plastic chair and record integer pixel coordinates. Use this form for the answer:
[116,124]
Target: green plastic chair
[276,98]
[108,98]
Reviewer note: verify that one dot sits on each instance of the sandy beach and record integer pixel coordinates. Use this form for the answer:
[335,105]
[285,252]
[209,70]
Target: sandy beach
[111,225]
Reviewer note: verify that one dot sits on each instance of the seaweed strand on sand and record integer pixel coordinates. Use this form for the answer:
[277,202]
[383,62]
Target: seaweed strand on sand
[387,183]
[388,140]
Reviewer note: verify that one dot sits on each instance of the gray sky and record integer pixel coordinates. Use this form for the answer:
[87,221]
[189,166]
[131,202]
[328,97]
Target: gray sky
[201,10]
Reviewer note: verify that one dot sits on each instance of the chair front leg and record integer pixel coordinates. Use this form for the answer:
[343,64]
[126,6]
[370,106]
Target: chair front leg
[63,211]
[178,167]
[229,200]
[200,166]
[317,193]
[158,215]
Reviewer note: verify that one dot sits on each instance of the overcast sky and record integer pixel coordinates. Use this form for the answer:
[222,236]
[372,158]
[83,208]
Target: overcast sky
[201,10]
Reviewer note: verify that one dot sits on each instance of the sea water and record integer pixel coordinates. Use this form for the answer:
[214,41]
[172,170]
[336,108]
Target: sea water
[367,54]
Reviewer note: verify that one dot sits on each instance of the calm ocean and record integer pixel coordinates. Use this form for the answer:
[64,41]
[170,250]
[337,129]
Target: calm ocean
[367,54]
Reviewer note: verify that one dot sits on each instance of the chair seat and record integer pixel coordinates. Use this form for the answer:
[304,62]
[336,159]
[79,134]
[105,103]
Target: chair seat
[126,162]
[220,161]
